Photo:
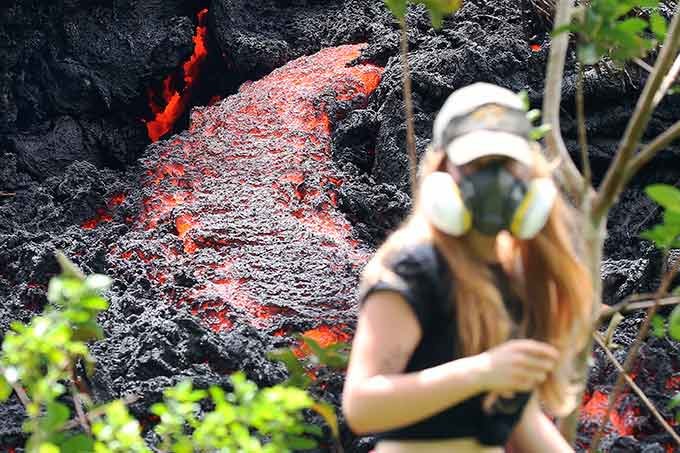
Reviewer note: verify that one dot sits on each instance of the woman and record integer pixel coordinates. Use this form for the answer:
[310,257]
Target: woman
[472,310]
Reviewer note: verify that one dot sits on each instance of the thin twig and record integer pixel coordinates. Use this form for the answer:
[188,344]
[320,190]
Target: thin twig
[633,353]
[19,390]
[408,105]
[667,82]
[77,401]
[615,178]
[97,412]
[582,132]
[21,394]
[636,389]
[652,149]
[7,194]
[643,64]
[571,179]
[626,306]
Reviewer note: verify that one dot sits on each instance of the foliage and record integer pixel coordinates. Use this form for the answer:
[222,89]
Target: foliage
[437,8]
[665,235]
[39,361]
[274,413]
[42,355]
[533,115]
[301,368]
[605,29]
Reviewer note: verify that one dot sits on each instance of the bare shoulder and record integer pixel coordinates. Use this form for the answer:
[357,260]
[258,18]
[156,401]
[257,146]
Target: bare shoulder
[386,336]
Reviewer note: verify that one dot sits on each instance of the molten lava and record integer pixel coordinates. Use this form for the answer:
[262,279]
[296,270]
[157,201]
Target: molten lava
[239,221]
[595,406]
[176,100]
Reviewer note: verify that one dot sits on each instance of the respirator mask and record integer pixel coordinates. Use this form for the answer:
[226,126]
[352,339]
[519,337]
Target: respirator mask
[490,198]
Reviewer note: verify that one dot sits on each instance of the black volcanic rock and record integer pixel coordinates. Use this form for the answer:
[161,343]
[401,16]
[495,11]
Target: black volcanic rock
[73,92]
[72,86]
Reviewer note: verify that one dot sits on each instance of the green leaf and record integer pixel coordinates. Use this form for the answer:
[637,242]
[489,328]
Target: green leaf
[301,443]
[54,290]
[674,323]
[437,20]
[674,402]
[632,26]
[87,331]
[313,429]
[98,283]
[658,326]
[657,235]
[68,268]
[95,303]
[48,448]
[588,54]
[524,98]
[289,359]
[57,414]
[539,132]
[5,389]
[658,25]
[534,115]
[327,411]
[664,194]
[80,443]
[397,7]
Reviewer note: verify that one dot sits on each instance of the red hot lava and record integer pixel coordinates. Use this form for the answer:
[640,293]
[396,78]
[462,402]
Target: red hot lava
[175,100]
[245,203]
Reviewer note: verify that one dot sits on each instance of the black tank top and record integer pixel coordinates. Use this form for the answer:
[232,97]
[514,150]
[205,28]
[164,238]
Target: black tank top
[420,275]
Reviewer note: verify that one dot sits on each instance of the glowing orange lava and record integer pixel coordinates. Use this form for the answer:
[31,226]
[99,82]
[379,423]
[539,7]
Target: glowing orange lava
[176,101]
[596,406]
[243,206]
[324,335]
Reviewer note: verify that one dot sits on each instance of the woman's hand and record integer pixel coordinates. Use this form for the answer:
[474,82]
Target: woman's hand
[517,366]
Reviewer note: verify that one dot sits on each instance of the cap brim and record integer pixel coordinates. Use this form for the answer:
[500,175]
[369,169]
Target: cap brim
[485,143]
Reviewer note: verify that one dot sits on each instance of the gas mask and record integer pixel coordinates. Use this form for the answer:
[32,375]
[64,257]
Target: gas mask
[490,199]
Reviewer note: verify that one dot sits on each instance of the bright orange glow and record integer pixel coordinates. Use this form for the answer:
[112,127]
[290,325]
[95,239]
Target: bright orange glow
[117,200]
[535,47]
[324,335]
[183,224]
[596,406]
[241,202]
[176,102]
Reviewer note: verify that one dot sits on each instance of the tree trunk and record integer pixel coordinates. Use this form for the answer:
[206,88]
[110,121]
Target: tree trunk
[593,237]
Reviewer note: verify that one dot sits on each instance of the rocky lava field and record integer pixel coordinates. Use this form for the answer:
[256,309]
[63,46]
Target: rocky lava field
[232,165]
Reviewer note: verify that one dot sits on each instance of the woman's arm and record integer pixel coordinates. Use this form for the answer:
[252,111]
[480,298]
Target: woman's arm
[536,434]
[376,396]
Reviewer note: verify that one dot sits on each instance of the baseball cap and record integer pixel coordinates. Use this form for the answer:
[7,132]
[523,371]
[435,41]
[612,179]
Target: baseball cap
[483,120]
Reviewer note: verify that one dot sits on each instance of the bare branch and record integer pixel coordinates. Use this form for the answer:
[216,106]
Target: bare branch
[638,391]
[582,133]
[643,64]
[633,353]
[614,180]
[7,194]
[101,410]
[77,401]
[571,179]
[651,150]
[667,82]
[627,306]
[408,105]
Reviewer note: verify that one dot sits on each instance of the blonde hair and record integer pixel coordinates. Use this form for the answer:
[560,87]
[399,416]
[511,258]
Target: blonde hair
[554,287]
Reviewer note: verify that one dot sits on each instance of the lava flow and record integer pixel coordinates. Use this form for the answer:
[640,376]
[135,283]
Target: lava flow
[239,220]
[174,100]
